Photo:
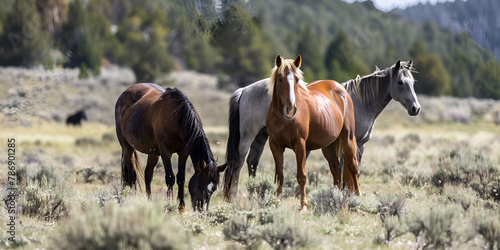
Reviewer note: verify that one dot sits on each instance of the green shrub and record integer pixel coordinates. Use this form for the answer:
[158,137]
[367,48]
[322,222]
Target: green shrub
[328,200]
[219,214]
[413,177]
[439,227]
[241,228]
[462,196]
[286,232]
[487,224]
[43,202]
[463,167]
[279,229]
[45,177]
[263,189]
[390,205]
[135,225]
[87,142]
[393,228]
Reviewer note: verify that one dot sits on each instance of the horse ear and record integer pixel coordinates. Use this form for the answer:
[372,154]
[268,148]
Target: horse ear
[278,61]
[298,61]
[410,64]
[398,65]
[222,167]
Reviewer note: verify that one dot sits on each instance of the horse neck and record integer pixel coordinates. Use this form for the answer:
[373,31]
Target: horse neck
[373,100]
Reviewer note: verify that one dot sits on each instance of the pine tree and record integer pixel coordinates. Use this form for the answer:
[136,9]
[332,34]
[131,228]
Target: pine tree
[312,61]
[245,52]
[78,42]
[23,41]
[433,79]
[342,64]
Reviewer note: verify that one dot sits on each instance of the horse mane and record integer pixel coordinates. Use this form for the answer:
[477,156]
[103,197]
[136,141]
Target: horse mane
[286,63]
[367,88]
[189,121]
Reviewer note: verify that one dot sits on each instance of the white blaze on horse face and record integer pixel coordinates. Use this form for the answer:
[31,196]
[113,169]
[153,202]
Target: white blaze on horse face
[291,81]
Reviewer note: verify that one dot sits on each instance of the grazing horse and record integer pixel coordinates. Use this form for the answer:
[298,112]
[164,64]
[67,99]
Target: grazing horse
[305,118]
[76,119]
[161,122]
[370,95]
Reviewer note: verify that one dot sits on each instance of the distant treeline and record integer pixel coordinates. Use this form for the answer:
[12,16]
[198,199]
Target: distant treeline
[337,40]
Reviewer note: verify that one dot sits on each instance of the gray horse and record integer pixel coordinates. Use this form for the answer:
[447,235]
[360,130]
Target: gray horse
[370,95]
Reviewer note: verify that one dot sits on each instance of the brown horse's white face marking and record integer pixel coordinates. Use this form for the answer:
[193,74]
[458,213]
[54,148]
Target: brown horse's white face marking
[286,82]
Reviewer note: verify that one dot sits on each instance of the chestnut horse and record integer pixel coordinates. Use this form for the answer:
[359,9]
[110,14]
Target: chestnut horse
[304,118]
[161,122]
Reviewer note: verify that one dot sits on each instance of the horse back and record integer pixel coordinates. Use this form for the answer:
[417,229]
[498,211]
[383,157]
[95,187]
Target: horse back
[334,91]
[138,114]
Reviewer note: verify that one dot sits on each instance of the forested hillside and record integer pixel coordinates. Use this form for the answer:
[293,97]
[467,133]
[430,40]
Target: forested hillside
[239,39]
[478,17]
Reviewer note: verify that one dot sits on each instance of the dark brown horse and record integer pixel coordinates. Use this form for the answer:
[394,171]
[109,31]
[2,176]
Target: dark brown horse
[161,122]
[304,118]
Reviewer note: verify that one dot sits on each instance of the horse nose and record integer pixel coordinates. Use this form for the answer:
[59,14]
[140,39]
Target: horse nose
[415,109]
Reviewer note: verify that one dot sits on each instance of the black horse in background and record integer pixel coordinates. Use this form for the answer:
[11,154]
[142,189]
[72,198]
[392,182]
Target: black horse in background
[76,119]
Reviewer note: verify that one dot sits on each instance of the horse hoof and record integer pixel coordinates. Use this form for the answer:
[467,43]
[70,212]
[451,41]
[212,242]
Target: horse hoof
[182,210]
[303,208]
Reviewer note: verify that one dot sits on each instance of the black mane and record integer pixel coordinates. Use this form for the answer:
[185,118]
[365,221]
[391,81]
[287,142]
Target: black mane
[193,133]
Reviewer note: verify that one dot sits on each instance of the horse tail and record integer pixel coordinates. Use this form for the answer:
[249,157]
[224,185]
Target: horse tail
[138,170]
[233,142]
[232,153]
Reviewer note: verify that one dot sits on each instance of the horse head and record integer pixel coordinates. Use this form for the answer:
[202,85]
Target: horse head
[204,183]
[401,87]
[82,115]
[286,74]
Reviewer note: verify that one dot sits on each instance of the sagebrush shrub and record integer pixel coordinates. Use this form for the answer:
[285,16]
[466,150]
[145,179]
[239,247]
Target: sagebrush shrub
[280,230]
[134,225]
[241,228]
[263,189]
[463,167]
[328,200]
[487,224]
[390,205]
[439,227]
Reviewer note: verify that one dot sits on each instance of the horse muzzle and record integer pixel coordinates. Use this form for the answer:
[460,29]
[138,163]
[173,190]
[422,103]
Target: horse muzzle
[413,109]
[290,112]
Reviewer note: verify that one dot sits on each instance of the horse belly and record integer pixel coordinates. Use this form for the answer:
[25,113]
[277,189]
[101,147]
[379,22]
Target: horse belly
[321,138]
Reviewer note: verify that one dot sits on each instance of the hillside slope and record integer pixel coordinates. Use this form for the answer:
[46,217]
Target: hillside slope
[479,17]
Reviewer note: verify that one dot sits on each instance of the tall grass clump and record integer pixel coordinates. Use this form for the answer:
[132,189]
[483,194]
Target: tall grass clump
[134,225]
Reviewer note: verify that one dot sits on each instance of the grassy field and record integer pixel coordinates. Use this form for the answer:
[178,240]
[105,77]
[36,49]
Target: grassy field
[422,184]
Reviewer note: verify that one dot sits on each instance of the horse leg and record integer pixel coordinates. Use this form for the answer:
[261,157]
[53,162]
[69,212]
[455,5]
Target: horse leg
[169,173]
[181,179]
[330,153]
[152,160]
[277,151]
[128,172]
[300,154]
[346,174]
[256,151]
[232,175]
[350,161]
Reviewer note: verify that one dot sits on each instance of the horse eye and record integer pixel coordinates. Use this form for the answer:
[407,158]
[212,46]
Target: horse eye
[400,82]
[280,80]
